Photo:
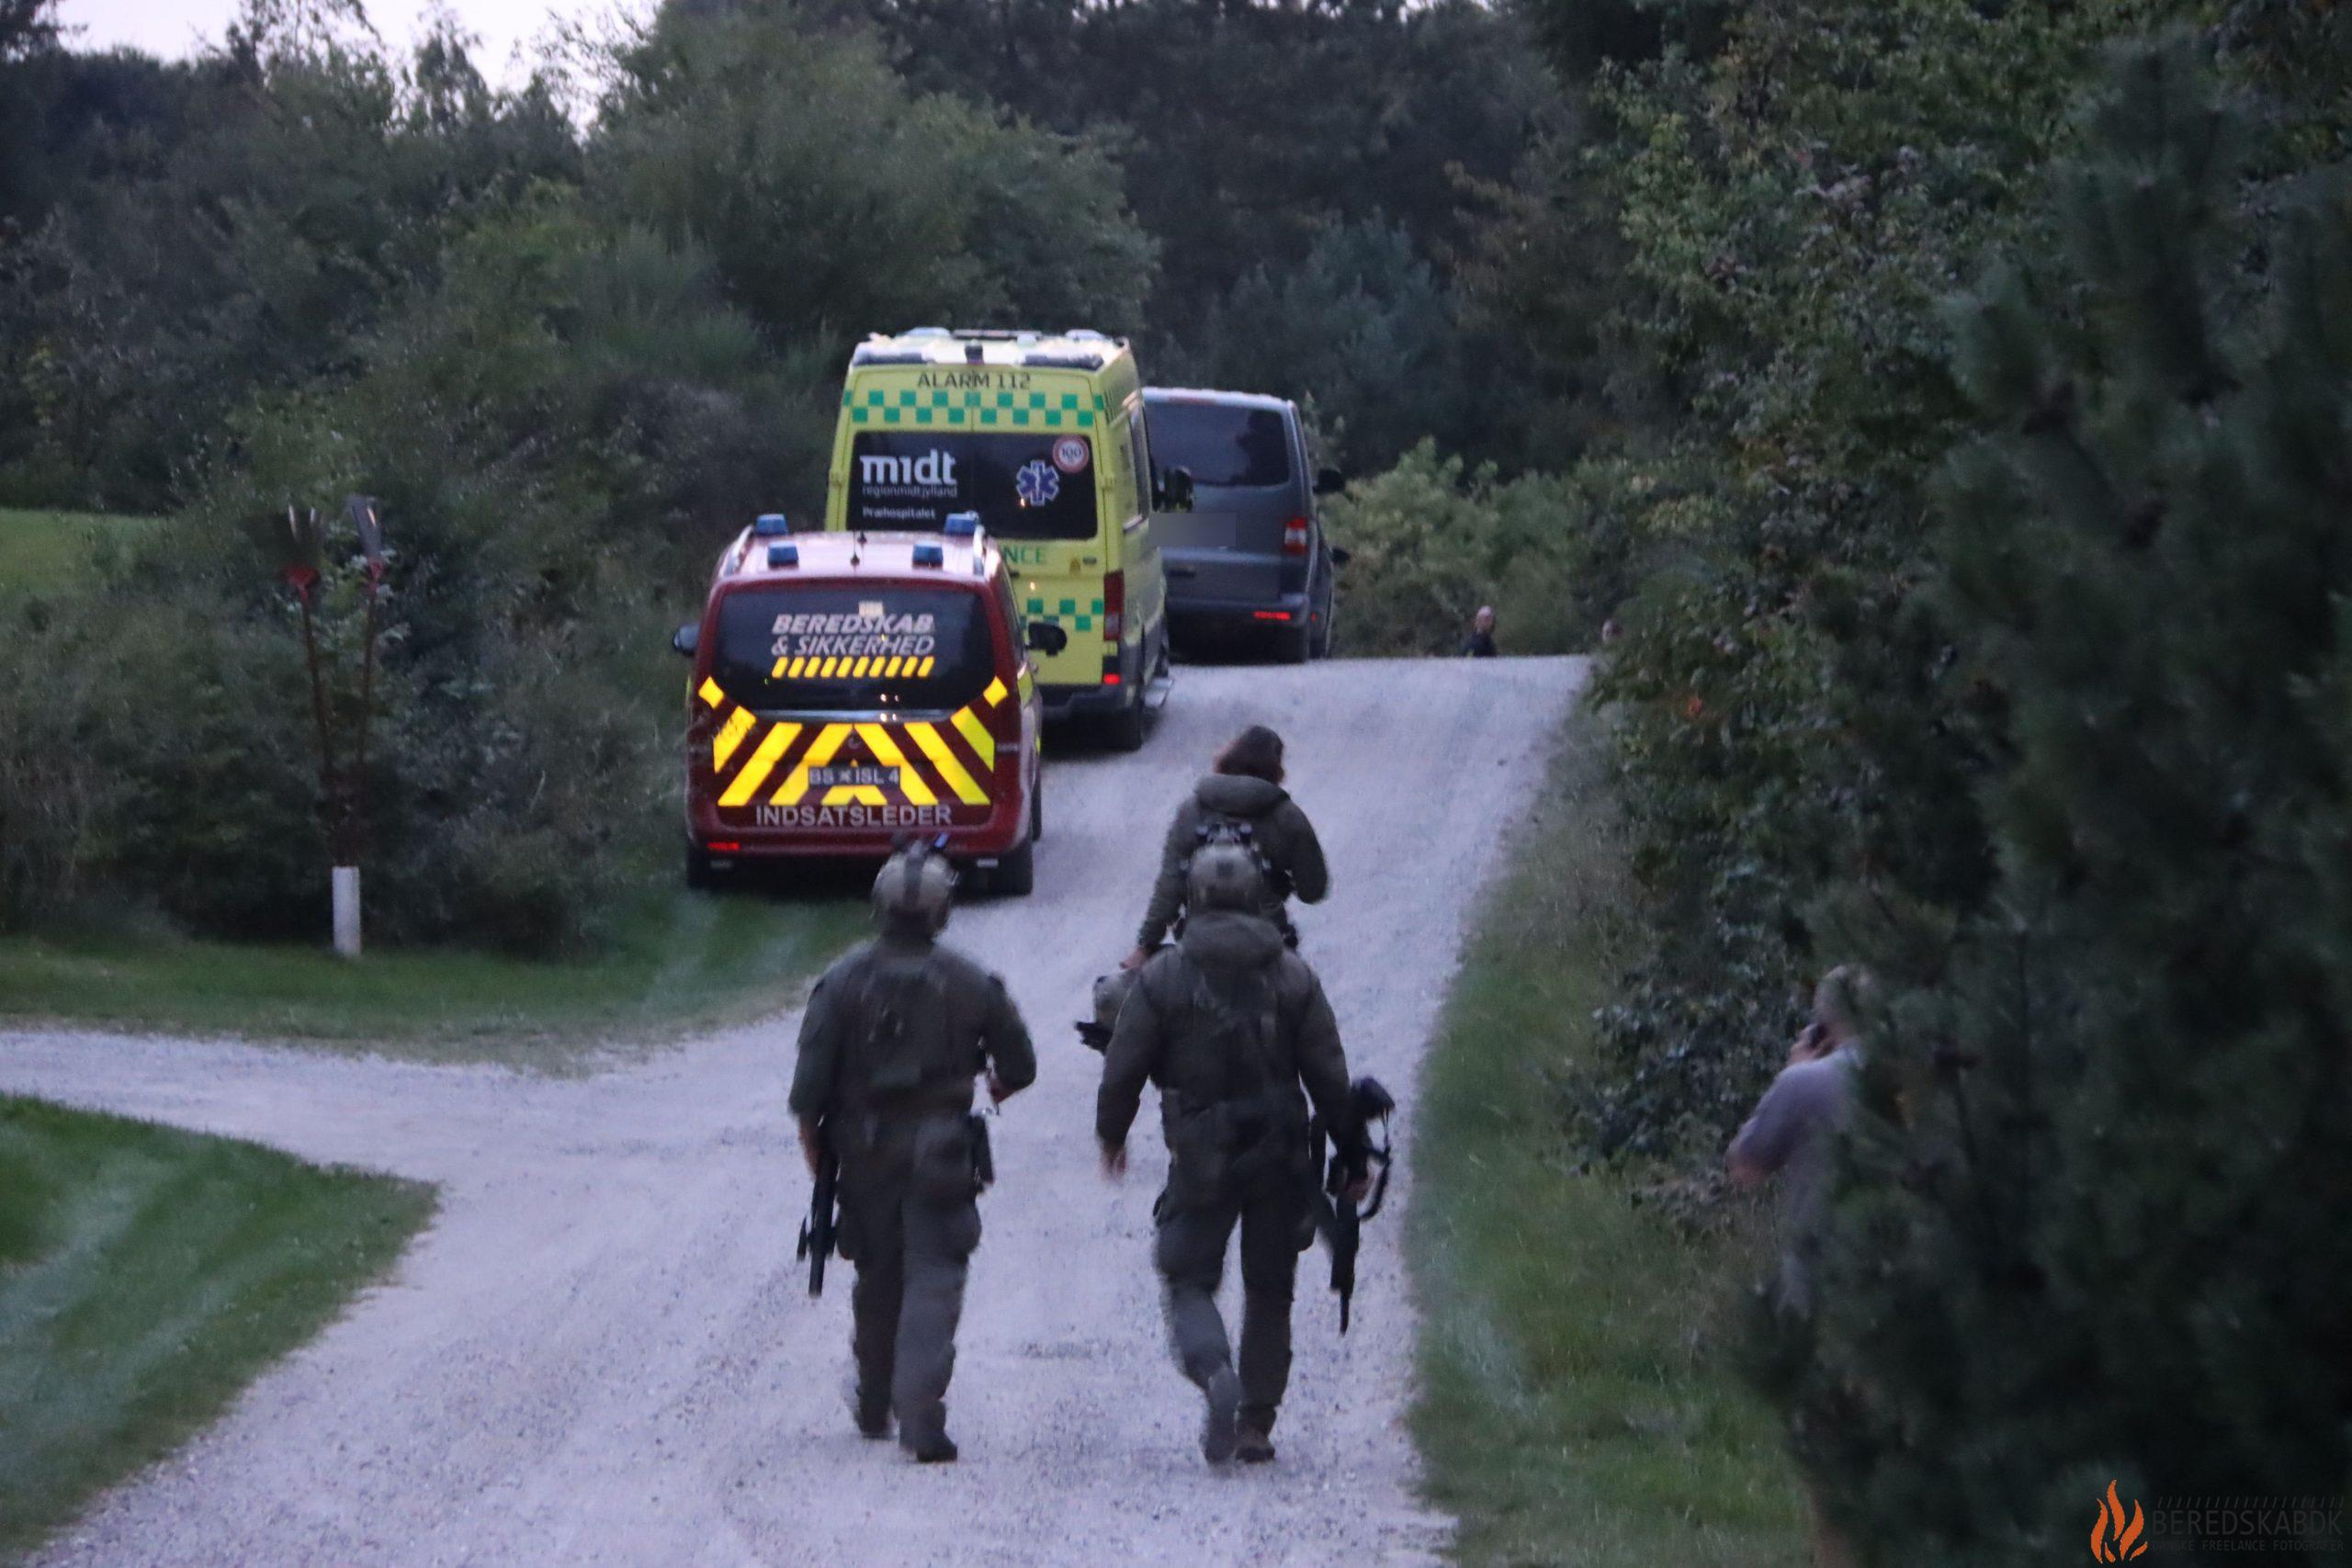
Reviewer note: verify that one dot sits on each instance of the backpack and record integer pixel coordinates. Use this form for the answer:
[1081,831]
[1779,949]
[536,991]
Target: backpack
[899,1042]
[1246,1119]
[1221,828]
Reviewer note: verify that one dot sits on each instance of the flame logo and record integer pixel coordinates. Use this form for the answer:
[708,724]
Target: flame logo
[2113,1537]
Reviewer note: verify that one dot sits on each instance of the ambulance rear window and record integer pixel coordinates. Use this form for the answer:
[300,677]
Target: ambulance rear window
[1220,442]
[1024,484]
[854,647]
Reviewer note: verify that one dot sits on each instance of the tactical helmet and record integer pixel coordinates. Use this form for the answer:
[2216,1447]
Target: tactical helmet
[915,888]
[1225,876]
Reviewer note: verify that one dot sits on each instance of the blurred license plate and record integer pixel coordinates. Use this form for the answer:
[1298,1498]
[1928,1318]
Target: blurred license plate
[826,778]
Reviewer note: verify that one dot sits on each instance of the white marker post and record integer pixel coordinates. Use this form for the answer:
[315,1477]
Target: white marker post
[302,548]
[345,882]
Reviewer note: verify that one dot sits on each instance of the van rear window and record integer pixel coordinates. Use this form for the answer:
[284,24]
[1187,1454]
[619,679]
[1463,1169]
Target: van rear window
[1222,445]
[1024,485]
[853,647]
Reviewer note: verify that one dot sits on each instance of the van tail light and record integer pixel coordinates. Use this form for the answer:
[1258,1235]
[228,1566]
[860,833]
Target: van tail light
[1294,537]
[1114,605]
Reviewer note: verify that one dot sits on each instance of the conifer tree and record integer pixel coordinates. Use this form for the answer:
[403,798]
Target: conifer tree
[2094,1222]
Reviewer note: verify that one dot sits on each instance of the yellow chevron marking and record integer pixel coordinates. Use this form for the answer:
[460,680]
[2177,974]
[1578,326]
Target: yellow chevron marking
[944,760]
[922,671]
[710,694]
[853,794]
[820,751]
[868,666]
[968,725]
[777,673]
[773,744]
[890,671]
[995,694]
[886,751]
[793,671]
[731,735]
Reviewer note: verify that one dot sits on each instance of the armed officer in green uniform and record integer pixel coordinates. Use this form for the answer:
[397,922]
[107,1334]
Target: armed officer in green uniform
[893,1037]
[1229,1023]
[1244,792]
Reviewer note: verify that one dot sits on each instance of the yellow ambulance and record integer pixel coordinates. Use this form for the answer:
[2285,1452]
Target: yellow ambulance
[1043,436]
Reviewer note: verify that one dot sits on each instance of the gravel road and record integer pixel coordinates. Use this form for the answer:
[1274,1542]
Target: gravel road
[601,1351]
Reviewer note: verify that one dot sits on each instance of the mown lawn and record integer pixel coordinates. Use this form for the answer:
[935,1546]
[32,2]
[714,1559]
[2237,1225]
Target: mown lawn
[146,1275]
[1575,1404]
[44,550]
[683,961]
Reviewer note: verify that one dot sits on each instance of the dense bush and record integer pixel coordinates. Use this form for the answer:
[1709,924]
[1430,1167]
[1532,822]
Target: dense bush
[1794,192]
[2104,1162]
[155,746]
[1431,541]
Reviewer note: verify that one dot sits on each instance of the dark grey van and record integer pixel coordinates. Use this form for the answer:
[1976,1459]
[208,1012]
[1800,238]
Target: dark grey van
[1250,553]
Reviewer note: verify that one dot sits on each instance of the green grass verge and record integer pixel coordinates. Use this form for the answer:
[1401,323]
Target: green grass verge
[682,961]
[1576,1402]
[44,550]
[145,1276]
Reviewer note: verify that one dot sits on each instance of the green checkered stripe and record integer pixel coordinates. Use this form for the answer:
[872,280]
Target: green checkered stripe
[1017,411]
[1084,620]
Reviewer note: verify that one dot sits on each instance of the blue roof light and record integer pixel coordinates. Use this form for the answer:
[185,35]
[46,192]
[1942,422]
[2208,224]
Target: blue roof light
[962,525]
[770,524]
[784,554]
[930,555]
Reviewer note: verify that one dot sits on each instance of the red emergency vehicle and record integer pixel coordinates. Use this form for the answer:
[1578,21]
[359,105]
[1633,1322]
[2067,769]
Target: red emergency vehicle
[852,692]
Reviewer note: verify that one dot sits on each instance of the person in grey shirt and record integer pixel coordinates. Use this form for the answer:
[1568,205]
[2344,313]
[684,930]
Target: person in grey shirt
[1792,1129]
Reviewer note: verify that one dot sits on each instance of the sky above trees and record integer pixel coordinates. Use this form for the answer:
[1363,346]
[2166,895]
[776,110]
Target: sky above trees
[508,29]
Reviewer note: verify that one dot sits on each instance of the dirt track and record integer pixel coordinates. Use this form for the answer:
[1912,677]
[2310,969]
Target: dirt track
[602,1352]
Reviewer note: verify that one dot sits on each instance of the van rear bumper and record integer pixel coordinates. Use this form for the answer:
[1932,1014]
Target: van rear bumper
[1274,610]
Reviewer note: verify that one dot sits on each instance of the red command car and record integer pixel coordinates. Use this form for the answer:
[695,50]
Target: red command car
[854,691]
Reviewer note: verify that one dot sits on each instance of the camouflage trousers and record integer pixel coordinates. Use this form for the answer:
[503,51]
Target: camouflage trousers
[1189,1251]
[912,1242]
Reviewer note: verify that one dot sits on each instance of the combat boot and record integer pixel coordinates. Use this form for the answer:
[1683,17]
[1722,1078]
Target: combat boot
[935,1448]
[1223,1394]
[872,1416]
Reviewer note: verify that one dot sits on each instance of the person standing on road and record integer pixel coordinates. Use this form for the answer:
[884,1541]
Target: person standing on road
[1244,787]
[1230,1024]
[1480,643]
[892,1038]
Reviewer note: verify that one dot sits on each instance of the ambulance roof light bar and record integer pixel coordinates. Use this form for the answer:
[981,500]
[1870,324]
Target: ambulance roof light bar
[930,555]
[771,525]
[962,525]
[784,554]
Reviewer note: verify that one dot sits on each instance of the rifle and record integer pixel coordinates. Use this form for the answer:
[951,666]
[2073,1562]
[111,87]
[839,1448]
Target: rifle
[816,1230]
[1336,1215]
